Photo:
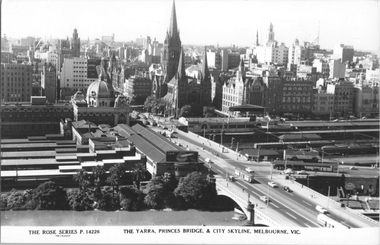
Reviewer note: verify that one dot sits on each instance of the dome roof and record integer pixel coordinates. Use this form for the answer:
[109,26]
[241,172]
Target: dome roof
[100,89]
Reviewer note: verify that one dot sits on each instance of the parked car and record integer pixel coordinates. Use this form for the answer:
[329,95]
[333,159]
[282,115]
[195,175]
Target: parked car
[249,170]
[272,184]
[264,198]
[287,189]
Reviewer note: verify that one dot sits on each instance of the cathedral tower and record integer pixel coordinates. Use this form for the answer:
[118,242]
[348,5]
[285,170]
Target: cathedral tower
[172,49]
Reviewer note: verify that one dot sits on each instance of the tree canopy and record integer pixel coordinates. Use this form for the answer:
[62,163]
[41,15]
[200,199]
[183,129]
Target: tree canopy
[194,191]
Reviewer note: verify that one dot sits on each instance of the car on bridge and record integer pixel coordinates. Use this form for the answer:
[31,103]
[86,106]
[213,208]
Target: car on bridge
[249,170]
[208,160]
[264,199]
[231,178]
[322,210]
[272,184]
[287,189]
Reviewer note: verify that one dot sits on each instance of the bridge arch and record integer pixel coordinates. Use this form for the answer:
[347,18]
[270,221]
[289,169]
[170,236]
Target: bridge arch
[241,206]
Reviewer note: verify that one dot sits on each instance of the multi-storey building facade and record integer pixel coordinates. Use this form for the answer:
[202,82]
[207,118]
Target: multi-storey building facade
[16,81]
[323,104]
[68,49]
[343,97]
[366,101]
[73,76]
[233,60]
[4,44]
[322,67]
[344,53]
[49,82]
[337,69]
[242,90]
[214,59]
[256,91]
[296,53]
[138,88]
[296,97]
[50,56]
[6,57]
[373,77]
[34,118]
[289,96]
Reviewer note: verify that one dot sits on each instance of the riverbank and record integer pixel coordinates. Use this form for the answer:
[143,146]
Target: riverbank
[121,218]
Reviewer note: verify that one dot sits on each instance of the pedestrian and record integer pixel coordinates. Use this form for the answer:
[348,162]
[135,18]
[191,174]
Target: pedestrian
[243,189]
[301,186]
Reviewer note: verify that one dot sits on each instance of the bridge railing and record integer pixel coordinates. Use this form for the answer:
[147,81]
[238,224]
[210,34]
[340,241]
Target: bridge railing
[244,203]
[314,193]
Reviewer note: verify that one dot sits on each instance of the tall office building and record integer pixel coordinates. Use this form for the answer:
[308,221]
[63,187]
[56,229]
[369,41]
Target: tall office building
[344,53]
[16,81]
[49,82]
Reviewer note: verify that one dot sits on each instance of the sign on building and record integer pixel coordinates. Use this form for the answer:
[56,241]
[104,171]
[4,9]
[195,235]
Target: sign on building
[182,156]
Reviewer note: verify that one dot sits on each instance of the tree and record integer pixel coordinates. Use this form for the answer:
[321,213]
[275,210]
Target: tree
[131,199]
[159,192]
[99,175]
[209,111]
[117,173]
[82,178]
[185,111]
[193,191]
[79,200]
[48,196]
[107,201]
[13,200]
[154,193]
[139,174]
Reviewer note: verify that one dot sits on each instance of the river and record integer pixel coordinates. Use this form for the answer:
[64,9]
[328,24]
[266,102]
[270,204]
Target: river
[121,218]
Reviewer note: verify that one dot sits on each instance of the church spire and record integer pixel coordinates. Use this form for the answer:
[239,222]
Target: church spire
[205,71]
[181,73]
[257,38]
[173,30]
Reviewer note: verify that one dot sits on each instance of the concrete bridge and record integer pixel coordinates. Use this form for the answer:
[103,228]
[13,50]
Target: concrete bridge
[243,200]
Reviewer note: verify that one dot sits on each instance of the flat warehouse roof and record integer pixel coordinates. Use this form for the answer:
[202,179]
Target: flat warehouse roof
[34,173]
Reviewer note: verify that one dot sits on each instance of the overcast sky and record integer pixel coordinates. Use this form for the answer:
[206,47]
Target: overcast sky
[205,22]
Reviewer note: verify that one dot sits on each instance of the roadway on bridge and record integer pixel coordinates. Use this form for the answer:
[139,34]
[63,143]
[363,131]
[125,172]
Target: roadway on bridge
[292,205]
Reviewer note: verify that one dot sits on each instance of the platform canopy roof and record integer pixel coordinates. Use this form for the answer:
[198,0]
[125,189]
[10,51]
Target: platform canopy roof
[251,108]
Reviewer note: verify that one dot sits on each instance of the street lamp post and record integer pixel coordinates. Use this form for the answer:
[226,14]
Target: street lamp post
[286,159]
[323,154]
[221,138]
[337,170]
[328,198]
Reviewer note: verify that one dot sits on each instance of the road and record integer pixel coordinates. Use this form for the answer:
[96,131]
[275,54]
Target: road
[298,207]
[286,204]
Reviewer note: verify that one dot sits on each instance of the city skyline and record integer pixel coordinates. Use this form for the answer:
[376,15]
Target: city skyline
[209,22]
